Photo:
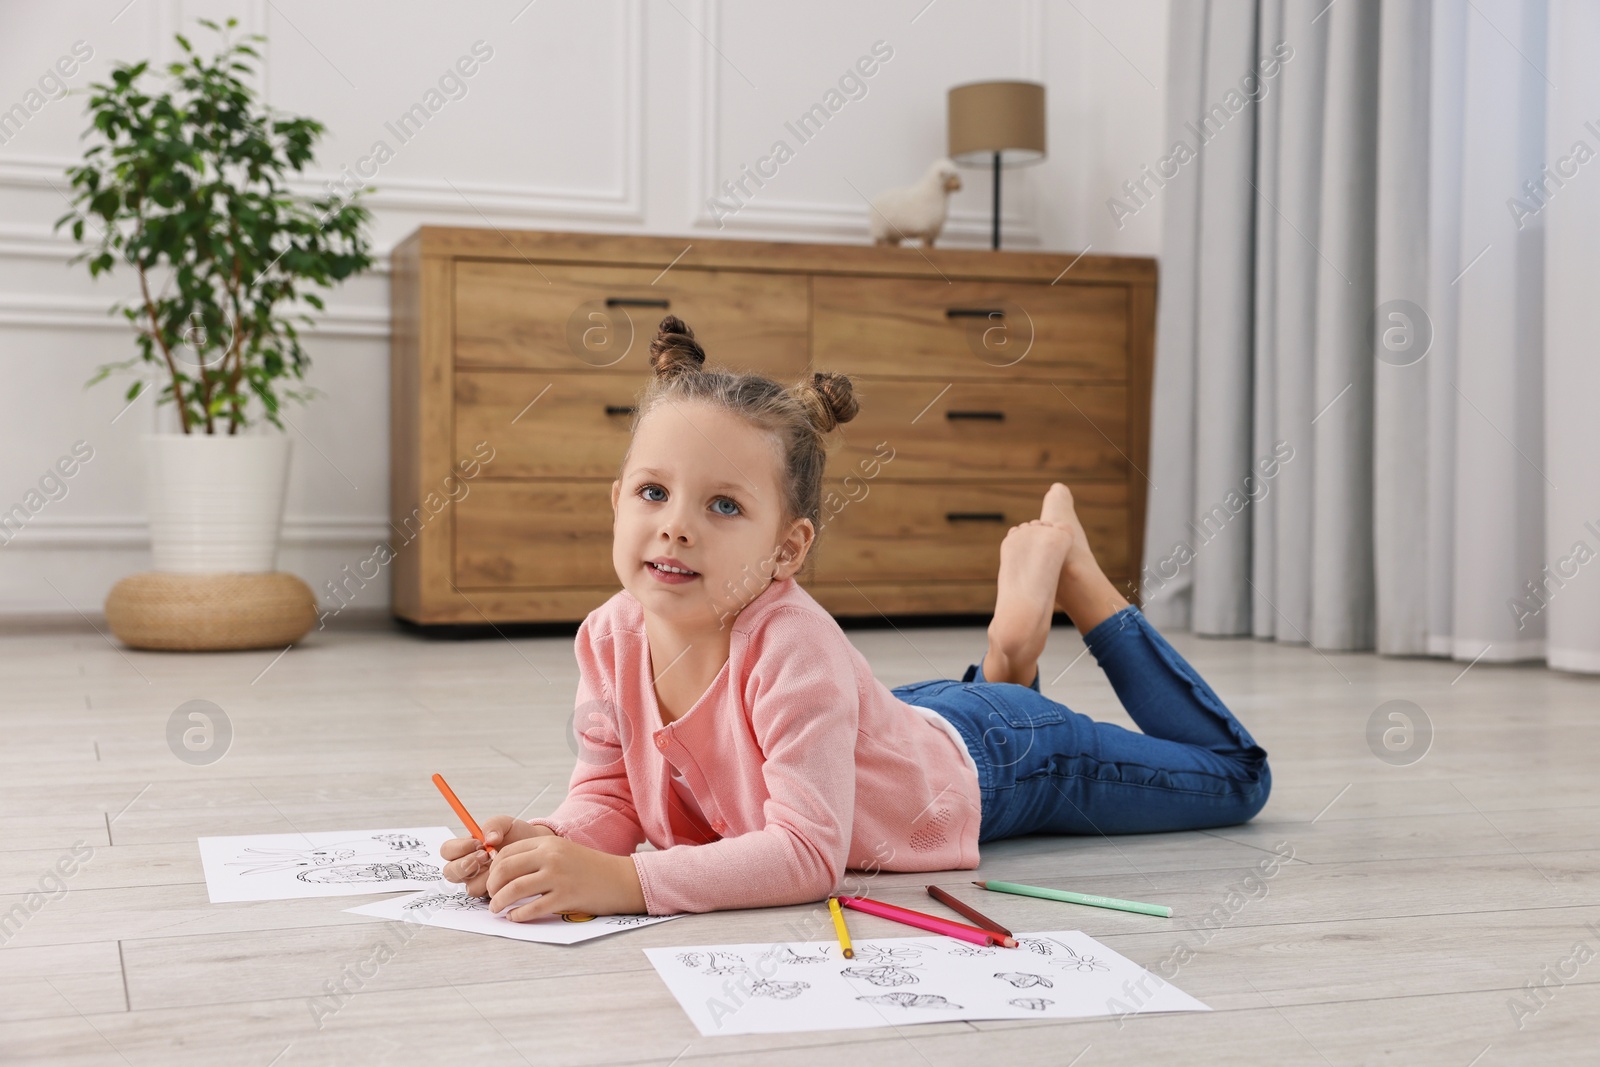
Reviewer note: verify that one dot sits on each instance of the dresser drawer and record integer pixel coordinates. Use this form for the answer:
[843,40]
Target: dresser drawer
[977,430]
[547,425]
[550,533]
[993,330]
[875,530]
[576,318]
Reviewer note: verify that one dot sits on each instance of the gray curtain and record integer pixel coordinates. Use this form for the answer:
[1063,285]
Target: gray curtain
[1372,380]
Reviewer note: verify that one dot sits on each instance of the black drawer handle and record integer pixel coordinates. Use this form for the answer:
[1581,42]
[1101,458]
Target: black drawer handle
[975,313]
[993,416]
[635,302]
[974,516]
[619,409]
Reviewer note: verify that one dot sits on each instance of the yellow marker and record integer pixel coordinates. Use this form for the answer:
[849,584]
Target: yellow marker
[839,927]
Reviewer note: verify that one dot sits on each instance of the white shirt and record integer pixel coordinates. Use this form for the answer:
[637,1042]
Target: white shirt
[935,719]
[681,788]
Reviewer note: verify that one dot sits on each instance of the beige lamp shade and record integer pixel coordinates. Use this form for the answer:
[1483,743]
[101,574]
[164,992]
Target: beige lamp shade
[1002,116]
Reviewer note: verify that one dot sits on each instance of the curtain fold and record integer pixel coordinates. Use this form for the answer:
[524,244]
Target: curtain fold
[1447,85]
[1572,324]
[1297,231]
[1340,552]
[1170,488]
[1373,380]
[1401,530]
[1224,321]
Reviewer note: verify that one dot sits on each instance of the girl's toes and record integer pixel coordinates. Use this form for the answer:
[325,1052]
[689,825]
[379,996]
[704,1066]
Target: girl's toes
[1057,507]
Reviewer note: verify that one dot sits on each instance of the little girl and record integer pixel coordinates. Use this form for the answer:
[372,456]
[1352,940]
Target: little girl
[726,718]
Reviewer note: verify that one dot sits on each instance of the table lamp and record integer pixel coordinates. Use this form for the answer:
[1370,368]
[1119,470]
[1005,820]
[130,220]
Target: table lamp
[1000,123]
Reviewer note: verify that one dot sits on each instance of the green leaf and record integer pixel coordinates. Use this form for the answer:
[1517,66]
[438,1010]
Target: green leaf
[191,179]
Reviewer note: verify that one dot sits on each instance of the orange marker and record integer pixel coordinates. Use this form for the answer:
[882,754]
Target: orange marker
[466,819]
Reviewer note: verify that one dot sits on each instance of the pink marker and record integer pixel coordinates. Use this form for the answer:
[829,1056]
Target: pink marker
[927,922]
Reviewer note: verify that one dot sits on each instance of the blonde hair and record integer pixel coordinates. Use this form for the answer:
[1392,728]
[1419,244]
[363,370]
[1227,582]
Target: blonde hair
[798,417]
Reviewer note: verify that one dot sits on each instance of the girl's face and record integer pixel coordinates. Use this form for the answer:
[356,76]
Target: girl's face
[701,487]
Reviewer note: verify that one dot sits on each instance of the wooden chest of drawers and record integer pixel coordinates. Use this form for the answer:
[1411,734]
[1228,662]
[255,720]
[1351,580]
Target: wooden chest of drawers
[983,377]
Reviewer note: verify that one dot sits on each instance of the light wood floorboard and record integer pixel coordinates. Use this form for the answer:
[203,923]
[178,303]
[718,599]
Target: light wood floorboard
[1418,903]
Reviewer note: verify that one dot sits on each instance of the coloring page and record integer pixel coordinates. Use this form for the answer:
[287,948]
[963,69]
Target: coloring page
[771,989]
[451,908]
[332,863]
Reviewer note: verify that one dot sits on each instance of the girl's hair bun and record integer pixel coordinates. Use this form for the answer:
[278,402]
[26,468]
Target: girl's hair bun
[674,350]
[829,399]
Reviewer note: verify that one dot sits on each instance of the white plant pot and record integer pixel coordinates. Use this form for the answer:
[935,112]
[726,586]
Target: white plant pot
[216,502]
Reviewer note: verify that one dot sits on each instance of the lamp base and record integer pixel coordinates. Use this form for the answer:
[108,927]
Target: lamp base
[996,244]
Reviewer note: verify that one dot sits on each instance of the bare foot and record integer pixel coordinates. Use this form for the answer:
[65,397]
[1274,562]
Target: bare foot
[1083,590]
[1031,560]
[1058,508]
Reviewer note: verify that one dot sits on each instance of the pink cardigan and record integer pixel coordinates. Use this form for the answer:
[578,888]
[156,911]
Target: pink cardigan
[803,762]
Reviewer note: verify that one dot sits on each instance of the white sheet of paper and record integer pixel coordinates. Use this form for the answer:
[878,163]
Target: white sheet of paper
[794,987]
[332,863]
[453,909]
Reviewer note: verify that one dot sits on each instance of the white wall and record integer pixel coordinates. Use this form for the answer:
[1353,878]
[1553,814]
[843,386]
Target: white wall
[619,116]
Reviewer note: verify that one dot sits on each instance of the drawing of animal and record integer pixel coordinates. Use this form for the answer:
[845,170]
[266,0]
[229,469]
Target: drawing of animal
[725,963]
[373,872]
[400,842]
[1023,980]
[265,860]
[885,976]
[971,950]
[910,1000]
[785,954]
[766,987]
[1035,1003]
[918,210]
[714,962]
[449,902]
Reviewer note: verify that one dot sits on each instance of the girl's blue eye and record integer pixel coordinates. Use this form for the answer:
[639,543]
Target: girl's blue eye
[645,489]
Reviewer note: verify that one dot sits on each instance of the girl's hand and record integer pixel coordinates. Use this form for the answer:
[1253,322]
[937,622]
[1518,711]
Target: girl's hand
[571,878]
[469,862]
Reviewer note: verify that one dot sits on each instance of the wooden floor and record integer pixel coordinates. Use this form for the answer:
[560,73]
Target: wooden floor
[1420,902]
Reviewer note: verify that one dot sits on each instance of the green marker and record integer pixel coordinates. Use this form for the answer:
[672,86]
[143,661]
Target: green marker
[1076,898]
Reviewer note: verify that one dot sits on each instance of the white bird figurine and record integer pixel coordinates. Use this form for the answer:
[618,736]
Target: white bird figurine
[917,210]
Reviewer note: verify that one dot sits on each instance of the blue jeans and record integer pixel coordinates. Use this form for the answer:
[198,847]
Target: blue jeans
[1044,768]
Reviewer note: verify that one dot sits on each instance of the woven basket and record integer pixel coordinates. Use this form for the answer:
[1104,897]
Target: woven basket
[210,612]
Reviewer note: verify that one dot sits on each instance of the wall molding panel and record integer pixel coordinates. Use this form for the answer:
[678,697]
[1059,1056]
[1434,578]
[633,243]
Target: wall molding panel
[840,218]
[133,532]
[90,313]
[622,201]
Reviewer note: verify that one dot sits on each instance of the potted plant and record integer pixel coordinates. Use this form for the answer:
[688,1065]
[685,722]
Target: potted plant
[188,187]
